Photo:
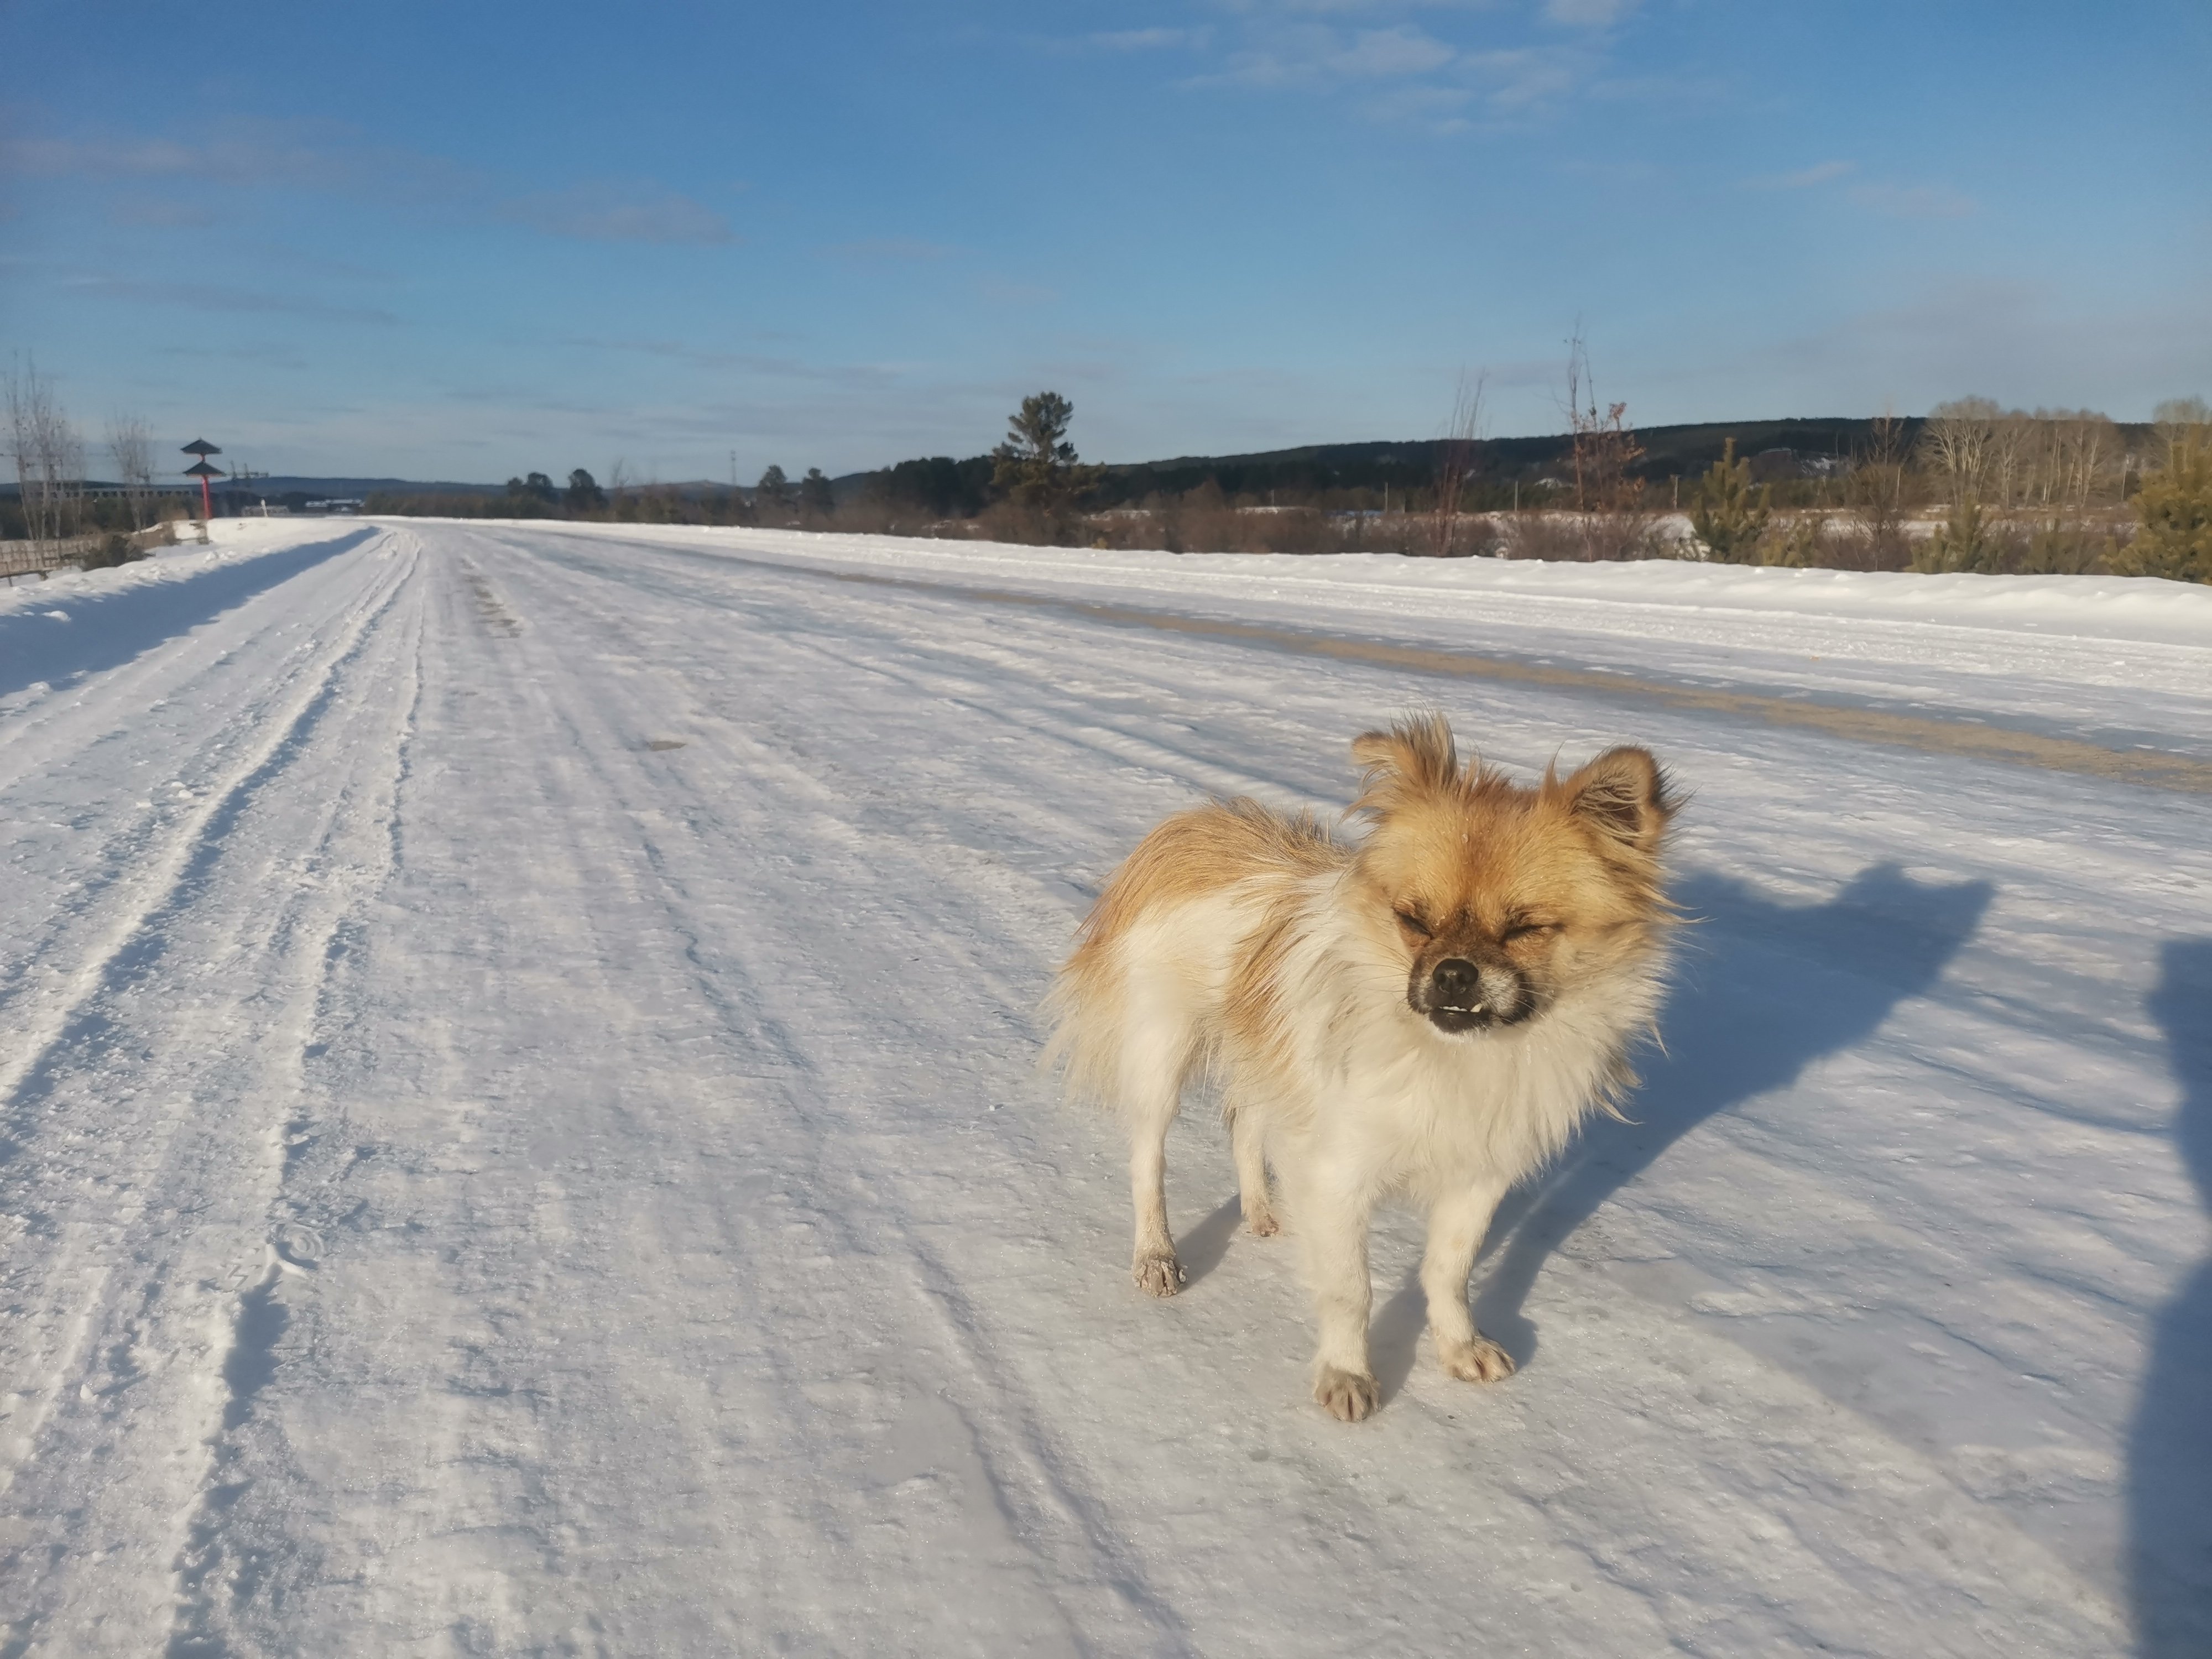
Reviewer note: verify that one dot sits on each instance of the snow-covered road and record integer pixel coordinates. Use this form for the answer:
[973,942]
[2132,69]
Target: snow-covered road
[518,1128]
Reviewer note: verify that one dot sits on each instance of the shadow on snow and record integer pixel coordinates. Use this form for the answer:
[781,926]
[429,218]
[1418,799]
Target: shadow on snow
[108,628]
[1767,988]
[2170,1443]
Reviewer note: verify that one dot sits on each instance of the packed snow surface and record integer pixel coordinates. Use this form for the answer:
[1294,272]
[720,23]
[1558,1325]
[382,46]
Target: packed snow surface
[519,1128]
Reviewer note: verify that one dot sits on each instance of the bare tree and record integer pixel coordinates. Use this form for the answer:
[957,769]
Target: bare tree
[130,445]
[2179,421]
[1959,442]
[1614,523]
[1456,461]
[1876,493]
[48,453]
[2073,453]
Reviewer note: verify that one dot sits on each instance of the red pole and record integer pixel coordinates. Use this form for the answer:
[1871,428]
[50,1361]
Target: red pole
[207,502]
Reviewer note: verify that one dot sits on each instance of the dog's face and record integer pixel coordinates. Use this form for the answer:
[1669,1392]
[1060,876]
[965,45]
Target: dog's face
[1500,899]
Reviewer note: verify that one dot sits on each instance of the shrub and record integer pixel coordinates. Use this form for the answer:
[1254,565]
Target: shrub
[109,550]
[1582,538]
[2063,548]
[1964,542]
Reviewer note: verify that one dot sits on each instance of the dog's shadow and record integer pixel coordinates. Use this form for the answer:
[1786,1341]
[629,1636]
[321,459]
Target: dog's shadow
[2169,1441]
[1201,1248]
[1765,989]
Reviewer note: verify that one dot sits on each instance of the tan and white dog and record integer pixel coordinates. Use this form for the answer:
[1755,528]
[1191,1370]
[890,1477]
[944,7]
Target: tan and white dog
[1430,1012]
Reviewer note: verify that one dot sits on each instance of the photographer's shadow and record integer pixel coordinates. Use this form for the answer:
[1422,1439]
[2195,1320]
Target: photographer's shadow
[2169,1443]
[1765,987]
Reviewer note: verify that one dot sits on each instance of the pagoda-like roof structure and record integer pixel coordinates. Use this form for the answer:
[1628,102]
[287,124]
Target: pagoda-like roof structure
[203,448]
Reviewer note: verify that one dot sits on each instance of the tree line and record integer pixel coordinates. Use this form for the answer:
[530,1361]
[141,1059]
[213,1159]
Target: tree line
[1970,487]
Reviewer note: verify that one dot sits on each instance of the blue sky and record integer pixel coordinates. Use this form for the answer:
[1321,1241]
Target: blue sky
[461,240]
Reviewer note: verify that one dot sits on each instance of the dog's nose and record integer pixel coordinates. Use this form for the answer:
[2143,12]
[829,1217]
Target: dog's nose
[1458,982]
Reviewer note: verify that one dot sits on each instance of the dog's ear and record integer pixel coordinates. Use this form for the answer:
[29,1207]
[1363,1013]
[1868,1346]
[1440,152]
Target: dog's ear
[1623,796]
[1415,756]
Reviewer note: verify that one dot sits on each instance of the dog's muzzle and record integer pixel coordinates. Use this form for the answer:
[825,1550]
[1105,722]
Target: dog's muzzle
[1462,995]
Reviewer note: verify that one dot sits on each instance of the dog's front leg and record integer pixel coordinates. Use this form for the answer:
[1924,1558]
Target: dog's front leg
[1332,1228]
[1457,1222]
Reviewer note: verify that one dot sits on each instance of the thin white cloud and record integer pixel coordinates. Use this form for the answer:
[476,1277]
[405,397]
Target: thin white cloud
[1152,40]
[1393,68]
[1588,14]
[883,249]
[207,296]
[240,153]
[331,159]
[1309,54]
[1376,53]
[607,212]
[1913,201]
[177,212]
[1522,82]
[1820,172]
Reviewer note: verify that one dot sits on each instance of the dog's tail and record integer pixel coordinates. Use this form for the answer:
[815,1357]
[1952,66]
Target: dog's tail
[1084,1010]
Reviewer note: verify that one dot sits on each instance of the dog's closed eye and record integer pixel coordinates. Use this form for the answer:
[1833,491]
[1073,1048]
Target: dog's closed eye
[1412,924]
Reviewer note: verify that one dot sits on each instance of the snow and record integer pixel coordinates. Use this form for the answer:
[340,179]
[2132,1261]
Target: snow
[522,1135]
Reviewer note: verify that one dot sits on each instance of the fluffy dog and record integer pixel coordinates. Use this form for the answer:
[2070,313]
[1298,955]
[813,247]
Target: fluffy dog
[1431,1012]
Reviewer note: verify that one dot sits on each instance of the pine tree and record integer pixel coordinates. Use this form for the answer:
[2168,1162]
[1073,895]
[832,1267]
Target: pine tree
[815,495]
[1035,466]
[2174,510]
[584,494]
[772,494]
[1727,514]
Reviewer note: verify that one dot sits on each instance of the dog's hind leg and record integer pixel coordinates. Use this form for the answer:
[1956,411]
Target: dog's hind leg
[1457,1222]
[1247,1141]
[1156,1055]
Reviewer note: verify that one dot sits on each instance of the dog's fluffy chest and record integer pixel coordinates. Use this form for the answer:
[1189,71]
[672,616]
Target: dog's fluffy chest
[1414,1108]
[1426,1113]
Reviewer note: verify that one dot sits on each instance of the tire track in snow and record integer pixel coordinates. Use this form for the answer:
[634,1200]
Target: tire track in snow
[292,1246]
[184,1206]
[194,843]
[1032,1478]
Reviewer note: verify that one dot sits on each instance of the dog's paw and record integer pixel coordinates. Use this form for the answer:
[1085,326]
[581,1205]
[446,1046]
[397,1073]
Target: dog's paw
[1261,1224]
[1156,1275]
[1479,1361]
[1345,1396]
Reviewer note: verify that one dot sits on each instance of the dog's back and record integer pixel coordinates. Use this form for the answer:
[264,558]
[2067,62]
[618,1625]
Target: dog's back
[1140,998]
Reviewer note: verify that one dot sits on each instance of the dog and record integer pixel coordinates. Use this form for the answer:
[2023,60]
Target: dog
[1430,1011]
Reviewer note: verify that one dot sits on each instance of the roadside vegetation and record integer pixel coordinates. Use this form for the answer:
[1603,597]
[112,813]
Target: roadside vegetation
[1971,487]
[57,515]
